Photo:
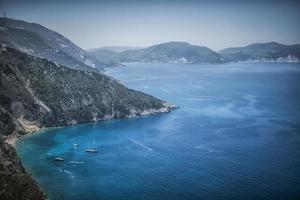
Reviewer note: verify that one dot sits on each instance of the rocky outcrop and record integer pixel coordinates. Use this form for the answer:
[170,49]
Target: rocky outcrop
[15,183]
[36,93]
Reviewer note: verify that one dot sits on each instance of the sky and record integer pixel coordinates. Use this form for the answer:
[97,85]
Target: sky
[216,24]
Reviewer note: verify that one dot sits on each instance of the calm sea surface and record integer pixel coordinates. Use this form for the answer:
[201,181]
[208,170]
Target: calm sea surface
[235,136]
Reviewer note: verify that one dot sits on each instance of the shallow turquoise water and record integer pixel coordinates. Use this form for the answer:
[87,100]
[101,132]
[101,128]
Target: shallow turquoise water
[235,136]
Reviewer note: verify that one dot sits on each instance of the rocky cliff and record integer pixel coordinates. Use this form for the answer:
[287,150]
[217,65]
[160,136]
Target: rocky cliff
[15,183]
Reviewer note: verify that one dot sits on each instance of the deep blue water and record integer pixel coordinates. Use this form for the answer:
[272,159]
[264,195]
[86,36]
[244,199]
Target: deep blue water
[235,136]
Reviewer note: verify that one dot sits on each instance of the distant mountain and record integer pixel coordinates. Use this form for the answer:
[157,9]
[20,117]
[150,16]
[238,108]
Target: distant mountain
[177,52]
[182,52]
[263,52]
[117,49]
[39,41]
[110,55]
[111,58]
[171,52]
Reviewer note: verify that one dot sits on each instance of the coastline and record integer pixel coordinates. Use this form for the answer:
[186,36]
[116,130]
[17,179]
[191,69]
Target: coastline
[12,139]
[24,183]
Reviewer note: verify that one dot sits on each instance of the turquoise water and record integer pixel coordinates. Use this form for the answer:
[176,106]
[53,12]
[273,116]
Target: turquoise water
[235,136]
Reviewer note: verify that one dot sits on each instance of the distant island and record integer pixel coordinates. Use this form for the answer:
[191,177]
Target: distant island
[37,40]
[263,52]
[170,52]
[182,52]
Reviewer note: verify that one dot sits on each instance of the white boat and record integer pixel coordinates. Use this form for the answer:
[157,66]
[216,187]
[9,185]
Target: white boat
[75,145]
[91,149]
[58,159]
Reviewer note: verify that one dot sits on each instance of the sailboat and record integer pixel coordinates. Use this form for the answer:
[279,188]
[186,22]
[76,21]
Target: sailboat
[91,149]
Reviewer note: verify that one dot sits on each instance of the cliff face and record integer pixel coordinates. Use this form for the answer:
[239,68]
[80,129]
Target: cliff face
[36,93]
[15,183]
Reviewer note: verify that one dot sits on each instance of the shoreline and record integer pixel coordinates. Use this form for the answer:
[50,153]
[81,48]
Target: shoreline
[12,139]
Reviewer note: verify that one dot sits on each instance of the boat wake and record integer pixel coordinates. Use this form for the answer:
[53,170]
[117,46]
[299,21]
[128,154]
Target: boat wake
[75,162]
[141,145]
[157,168]
[204,148]
[66,172]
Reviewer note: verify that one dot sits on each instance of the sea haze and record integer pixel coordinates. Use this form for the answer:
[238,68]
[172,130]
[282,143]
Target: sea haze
[236,135]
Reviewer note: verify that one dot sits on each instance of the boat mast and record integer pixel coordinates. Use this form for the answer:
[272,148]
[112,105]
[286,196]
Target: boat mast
[93,144]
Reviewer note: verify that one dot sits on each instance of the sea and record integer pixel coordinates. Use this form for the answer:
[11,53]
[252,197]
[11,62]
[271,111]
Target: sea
[235,135]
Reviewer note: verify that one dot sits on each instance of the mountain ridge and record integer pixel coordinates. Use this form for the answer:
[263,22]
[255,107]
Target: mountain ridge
[37,40]
[169,52]
[263,52]
[183,52]
[117,49]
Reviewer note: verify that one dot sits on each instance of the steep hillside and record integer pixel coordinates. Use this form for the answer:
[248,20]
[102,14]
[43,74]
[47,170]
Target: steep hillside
[48,94]
[36,93]
[271,51]
[15,183]
[39,41]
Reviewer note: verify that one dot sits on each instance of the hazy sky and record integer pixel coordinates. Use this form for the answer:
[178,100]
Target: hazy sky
[213,23]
